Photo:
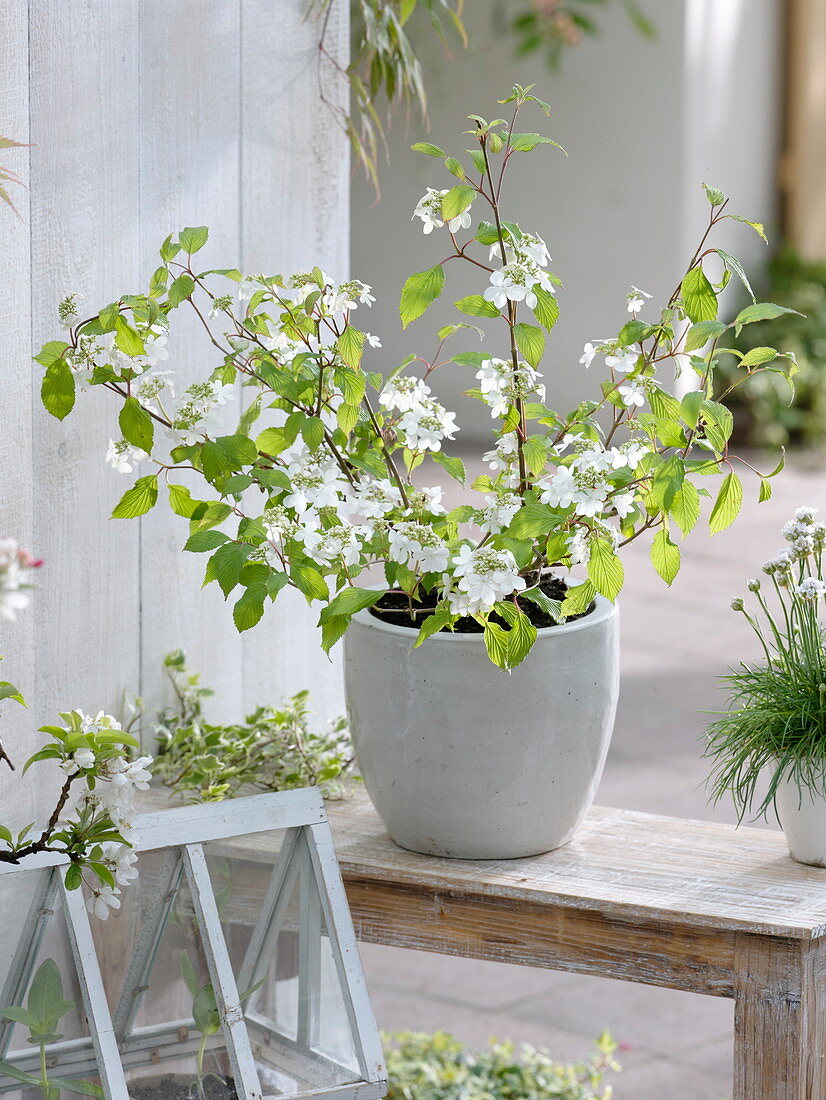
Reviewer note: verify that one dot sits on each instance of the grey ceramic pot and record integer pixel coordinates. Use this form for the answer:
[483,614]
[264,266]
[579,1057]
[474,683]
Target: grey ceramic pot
[462,759]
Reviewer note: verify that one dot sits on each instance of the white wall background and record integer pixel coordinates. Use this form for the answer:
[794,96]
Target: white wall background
[145,117]
[643,123]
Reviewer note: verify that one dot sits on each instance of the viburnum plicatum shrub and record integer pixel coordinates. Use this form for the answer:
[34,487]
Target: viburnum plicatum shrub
[332,447]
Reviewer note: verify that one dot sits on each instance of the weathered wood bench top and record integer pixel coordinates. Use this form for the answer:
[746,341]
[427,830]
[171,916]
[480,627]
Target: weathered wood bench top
[620,863]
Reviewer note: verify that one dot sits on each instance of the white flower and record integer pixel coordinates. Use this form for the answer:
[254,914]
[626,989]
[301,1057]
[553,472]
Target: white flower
[485,576]
[417,545]
[101,900]
[624,360]
[586,488]
[528,247]
[375,499]
[123,457]
[811,589]
[559,489]
[500,510]
[316,482]
[591,349]
[67,309]
[636,299]
[632,393]
[623,504]
[502,386]
[781,565]
[278,525]
[429,209]
[84,758]
[635,451]
[578,549]
[432,499]
[515,282]
[340,543]
[121,860]
[371,340]
[404,394]
[154,343]
[425,427]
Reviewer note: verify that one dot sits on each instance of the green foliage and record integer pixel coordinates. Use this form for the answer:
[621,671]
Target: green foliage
[774,725]
[771,411]
[45,1008]
[552,27]
[273,749]
[437,1066]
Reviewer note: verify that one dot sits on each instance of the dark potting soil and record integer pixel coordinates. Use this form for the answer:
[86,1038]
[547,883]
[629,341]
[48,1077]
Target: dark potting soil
[394,608]
[175,1086]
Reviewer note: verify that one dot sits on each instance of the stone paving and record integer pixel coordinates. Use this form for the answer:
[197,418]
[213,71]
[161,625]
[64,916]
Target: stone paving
[675,643]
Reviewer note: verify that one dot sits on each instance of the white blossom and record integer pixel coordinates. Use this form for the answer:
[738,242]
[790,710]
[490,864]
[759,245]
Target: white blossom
[591,349]
[623,360]
[623,504]
[485,576]
[417,545]
[499,511]
[429,209]
[515,282]
[632,393]
[101,899]
[502,386]
[340,543]
[427,425]
[375,499]
[584,487]
[123,457]
[811,589]
[404,394]
[636,299]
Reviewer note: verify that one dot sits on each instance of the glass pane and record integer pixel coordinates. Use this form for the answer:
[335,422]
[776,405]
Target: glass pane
[48,1042]
[273,922]
[164,1009]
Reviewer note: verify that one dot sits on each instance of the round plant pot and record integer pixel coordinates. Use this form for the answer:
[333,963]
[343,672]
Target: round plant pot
[802,816]
[462,759]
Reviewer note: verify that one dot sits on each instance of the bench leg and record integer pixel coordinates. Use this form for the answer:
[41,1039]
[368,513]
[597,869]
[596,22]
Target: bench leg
[780,1020]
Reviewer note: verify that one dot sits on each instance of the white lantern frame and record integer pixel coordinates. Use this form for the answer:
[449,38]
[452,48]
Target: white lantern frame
[181,832]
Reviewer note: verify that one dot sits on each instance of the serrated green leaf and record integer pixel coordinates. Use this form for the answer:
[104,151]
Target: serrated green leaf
[308,580]
[181,502]
[442,617]
[508,646]
[181,289]
[765,490]
[428,148]
[420,290]
[578,599]
[736,268]
[727,505]
[457,200]
[454,466]
[698,297]
[715,196]
[249,608]
[760,311]
[546,309]
[605,570]
[530,339]
[523,143]
[202,541]
[226,564]
[476,306]
[193,238]
[350,601]
[685,507]
[700,334]
[138,500]
[127,338]
[136,425]
[57,390]
[545,603]
[350,346]
[665,556]
[332,630]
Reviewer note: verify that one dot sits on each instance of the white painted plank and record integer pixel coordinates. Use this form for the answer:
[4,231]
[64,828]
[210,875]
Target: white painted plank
[190,83]
[295,171]
[16,639]
[85,179]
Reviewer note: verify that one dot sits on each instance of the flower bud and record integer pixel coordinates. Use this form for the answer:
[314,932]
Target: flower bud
[753,585]
[737,604]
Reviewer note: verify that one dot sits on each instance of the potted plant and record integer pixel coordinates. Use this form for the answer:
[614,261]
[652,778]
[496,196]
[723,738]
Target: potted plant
[773,733]
[489,740]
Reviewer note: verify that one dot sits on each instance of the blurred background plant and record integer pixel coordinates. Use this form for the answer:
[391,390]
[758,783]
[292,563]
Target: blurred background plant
[768,414]
[438,1066]
[7,176]
[273,749]
[550,27]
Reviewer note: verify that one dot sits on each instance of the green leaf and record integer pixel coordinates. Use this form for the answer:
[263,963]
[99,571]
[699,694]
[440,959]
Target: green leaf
[760,311]
[531,342]
[136,425]
[226,564]
[700,334]
[74,876]
[138,500]
[9,691]
[476,306]
[727,505]
[226,454]
[248,610]
[127,338]
[157,284]
[57,390]
[665,556]
[46,999]
[205,1011]
[536,455]
[428,148]
[546,309]
[420,290]
[756,356]
[193,238]
[202,541]
[758,227]
[308,580]
[312,432]
[334,629]
[455,168]
[523,143]
[765,490]
[685,507]
[349,601]
[457,200]
[545,603]
[350,346]
[668,479]
[690,407]
[533,520]
[441,618]
[736,268]
[508,646]
[181,502]
[715,197]
[605,570]
[719,424]
[188,973]
[181,289]
[698,296]
[454,466]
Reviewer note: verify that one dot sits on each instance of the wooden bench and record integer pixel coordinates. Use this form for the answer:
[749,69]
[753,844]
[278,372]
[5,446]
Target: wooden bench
[685,904]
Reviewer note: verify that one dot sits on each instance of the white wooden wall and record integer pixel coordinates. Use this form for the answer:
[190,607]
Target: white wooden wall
[145,117]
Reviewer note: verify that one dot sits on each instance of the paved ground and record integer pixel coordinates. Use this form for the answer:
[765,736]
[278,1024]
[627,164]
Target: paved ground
[675,643]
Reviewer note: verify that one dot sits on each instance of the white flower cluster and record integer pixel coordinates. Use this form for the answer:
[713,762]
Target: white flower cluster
[516,281]
[429,209]
[335,297]
[375,499]
[619,360]
[586,483]
[316,480]
[424,422]
[503,459]
[116,781]
[123,457]
[804,534]
[485,576]
[417,546]
[499,511]
[502,386]
[197,415]
[340,543]
[812,589]
[102,350]
[15,566]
